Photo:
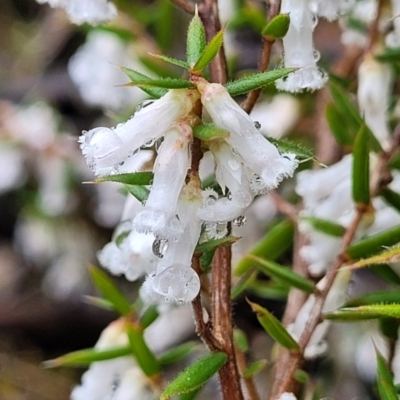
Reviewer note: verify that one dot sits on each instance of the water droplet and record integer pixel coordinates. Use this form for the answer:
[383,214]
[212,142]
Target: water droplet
[233,164]
[234,151]
[316,55]
[149,143]
[158,143]
[321,73]
[229,196]
[257,125]
[239,221]
[159,247]
[314,21]
[242,198]
[121,163]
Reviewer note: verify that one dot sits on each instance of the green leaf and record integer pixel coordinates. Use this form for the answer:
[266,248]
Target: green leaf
[374,244]
[271,290]
[389,55]
[326,226]
[99,302]
[385,272]
[110,291]
[282,273]
[190,395]
[149,316]
[254,368]
[386,387]
[177,353]
[256,81]
[244,282]
[134,178]
[389,328]
[135,76]
[170,60]
[210,132]
[144,356]
[83,358]
[360,182]
[274,328]
[277,27]
[196,40]
[210,51]
[391,197]
[206,259]
[379,297]
[240,340]
[195,376]
[388,256]
[286,146]
[215,243]
[301,376]
[339,130]
[371,311]
[163,83]
[270,247]
[140,192]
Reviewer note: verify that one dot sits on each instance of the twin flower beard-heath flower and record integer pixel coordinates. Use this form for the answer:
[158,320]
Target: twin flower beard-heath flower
[246,164]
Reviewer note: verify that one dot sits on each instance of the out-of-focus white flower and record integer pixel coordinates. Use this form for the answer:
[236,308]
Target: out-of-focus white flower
[170,169]
[278,116]
[99,86]
[85,11]
[268,166]
[12,173]
[393,38]
[374,87]
[287,396]
[331,9]
[299,50]
[106,148]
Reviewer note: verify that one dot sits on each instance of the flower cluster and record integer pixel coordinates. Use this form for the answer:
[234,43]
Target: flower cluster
[169,225]
[79,12]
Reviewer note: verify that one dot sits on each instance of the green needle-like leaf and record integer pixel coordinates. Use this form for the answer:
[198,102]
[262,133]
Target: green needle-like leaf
[134,178]
[380,297]
[274,327]
[215,243]
[256,81]
[323,225]
[177,353]
[391,197]
[209,132]
[388,256]
[170,60]
[283,273]
[361,192]
[195,376]
[286,146]
[110,291]
[254,368]
[371,311]
[140,192]
[386,387]
[163,83]
[210,51]
[196,40]
[340,130]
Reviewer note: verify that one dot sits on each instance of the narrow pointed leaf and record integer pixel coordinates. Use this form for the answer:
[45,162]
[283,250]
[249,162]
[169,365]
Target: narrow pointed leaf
[256,81]
[385,272]
[83,358]
[339,130]
[190,395]
[254,368]
[270,247]
[99,302]
[389,55]
[149,316]
[240,340]
[361,192]
[210,51]
[140,192]
[277,27]
[195,376]
[110,291]
[272,290]
[326,226]
[196,40]
[163,83]
[282,273]
[286,146]
[215,243]
[274,327]
[135,75]
[386,387]
[380,297]
[245,281]
[389,327]
[391,197]
[144,356]
[388,256]
[170,60]
[210,132]
[177,353]
[206,259]
[375,243]
[134,178]
[371,311]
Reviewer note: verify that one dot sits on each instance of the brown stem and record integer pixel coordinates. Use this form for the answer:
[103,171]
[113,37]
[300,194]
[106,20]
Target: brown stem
[185,5]
[249,382]
[252,97]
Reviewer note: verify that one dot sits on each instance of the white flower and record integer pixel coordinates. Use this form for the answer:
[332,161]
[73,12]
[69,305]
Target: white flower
[99,86]
[374,87]
[81,11]
[106,148]
[393,38]
[331,9]
[170,170]
[287,396]
[268,166]
[12,173]
[299,50]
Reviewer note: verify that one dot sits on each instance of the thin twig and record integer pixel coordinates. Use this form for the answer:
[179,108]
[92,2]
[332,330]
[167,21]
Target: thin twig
[249,382]
[252,97]
[185,5]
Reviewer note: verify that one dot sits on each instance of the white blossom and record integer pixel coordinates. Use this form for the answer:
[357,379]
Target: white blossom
[393,38]
[287,396]
[331,9]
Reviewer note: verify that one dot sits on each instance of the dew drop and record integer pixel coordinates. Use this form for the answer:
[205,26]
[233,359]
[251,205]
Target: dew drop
[150,143]
[234,151]
[229,196]
[159,247]
[242,198]
[233,164]
[257,125]
[316,55]
[239,221]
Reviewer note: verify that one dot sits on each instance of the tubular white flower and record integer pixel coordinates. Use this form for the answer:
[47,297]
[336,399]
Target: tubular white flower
[175,280]
[287,396]
[374,87]
[299,50]
[259,155]
[170,169]
[331,9]
[106,148]
[393,38]
[85,11]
